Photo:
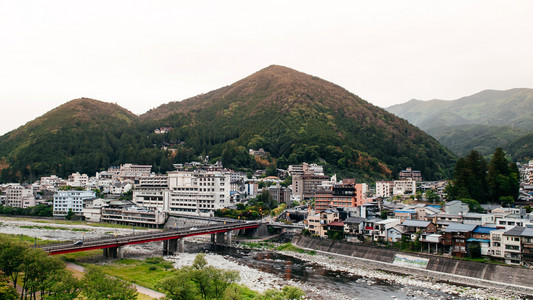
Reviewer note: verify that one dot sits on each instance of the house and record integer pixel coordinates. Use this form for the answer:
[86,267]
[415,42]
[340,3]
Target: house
[317,223]
[405,214]
[414,226]
[456,207]
[353,228]
[508,223]
[481,237]
[478,219]
[381,227]
[395,234]
[511,242]
[454,238]
[432,241]
[443,220]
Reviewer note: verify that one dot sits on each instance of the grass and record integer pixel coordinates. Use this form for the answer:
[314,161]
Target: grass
[53,228]
[68,222]
[76,257]
[140,272]
[259,245]
[27,239]
[291,247]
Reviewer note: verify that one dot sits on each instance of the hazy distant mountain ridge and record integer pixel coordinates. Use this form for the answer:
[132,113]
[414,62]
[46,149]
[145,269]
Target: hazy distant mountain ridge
[294,116]
[499,118]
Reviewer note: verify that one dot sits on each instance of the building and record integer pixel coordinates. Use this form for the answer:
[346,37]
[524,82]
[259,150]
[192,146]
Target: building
[478,219]
[384,188]
[280,194]
[317,224]
[19,196]
[454,238]
[381,227]
[344,195]
[152,192]
[120,212]
[261,152]
[456,207]
[70,200]
[408,173]
[306,185]
[404,187]
[78,180]
[199,192]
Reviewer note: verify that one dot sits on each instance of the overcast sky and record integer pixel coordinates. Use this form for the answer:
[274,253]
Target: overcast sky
[141,54]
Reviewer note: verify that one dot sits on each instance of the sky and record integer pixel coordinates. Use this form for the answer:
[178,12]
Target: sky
[141,54]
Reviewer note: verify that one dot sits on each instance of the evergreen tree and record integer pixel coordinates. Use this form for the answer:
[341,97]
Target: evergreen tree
[503,178]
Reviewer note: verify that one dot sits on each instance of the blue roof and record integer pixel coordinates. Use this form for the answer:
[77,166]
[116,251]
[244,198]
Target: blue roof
[436,206]
[482,229]
[232,192]
[405,211]
[478,240]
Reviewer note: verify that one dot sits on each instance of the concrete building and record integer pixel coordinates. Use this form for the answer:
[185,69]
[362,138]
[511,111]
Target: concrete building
[152,192]
[70,200]
[317,223]
[456,207]
[381,227]
[118,212]
[408,173]
[384,188]
[404,187]
[19,196]
[199,192]
[78,180]
[305,186]
[344,195]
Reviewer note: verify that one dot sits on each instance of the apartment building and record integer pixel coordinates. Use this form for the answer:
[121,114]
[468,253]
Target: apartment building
[152,192]
[305,186]
[70,200]
[199,192]
[19,196]
[343,195]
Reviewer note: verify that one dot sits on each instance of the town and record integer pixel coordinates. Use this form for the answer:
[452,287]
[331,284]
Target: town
[408,213]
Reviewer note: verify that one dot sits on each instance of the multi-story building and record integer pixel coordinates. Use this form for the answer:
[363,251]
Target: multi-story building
[408,173]
[511,242]
[152,192]
[454,238]
[119,213]
[305,186]
[478,219]
[78,180]
[19,196]
[70,200]
[317,223]
[280,194]
[404,187]
[346,194]
[384,188]
[381,229]
[198,192]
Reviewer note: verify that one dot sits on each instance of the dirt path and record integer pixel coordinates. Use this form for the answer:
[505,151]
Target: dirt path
[141,289]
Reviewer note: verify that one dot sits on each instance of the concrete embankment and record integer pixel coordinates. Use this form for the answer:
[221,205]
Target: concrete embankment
[437,267]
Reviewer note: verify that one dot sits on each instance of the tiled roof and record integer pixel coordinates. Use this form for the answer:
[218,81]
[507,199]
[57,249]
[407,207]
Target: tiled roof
[483,229]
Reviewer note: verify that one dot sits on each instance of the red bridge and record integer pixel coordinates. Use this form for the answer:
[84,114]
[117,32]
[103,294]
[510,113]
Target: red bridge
[112,245]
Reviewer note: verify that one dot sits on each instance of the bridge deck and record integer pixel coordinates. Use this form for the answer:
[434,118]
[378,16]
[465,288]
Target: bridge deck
[118,241]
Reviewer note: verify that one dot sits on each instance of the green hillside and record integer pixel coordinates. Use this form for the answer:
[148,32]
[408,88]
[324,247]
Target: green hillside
[482,138]
[82,135]
[298,117]
[294,116]
[483,121]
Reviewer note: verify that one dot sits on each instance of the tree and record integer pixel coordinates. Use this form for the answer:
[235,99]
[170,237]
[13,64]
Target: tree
[178,286]
[470,178]
[431,196]
[96,285]
[473,205]
[70,214]
[7,292]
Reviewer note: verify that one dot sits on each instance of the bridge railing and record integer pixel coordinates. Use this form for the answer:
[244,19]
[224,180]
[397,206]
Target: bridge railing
[125,239]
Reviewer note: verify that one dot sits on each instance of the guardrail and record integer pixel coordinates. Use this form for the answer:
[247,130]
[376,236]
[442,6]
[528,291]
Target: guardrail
[146,237]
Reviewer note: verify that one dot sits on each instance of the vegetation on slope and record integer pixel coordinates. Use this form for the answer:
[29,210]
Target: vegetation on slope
[295,117]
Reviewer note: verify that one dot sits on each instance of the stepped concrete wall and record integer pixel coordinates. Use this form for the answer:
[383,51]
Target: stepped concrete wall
[476,270]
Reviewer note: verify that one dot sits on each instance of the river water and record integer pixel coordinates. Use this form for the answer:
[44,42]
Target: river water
[331,284]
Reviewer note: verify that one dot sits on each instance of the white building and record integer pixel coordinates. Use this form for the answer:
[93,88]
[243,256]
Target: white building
[199,192]
[78,180]
[152,192]
[404,187]
[19,196]
[384,188]
[66,200]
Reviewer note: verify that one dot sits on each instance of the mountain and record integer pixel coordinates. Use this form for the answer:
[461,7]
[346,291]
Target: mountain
[483,121]
[294,116]
[297,117]
[81,135]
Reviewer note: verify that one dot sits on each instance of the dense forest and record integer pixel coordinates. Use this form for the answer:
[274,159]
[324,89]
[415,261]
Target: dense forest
[295,117]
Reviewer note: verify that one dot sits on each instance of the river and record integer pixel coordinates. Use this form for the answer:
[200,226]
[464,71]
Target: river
[261,269]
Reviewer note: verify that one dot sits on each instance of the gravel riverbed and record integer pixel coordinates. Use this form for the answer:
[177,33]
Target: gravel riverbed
[414,287]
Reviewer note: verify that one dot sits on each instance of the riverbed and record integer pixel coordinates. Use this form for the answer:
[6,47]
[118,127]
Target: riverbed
[320,276]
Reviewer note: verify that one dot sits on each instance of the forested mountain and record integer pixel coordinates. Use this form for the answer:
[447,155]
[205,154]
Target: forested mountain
[294,116]
[483,121]
[82,135]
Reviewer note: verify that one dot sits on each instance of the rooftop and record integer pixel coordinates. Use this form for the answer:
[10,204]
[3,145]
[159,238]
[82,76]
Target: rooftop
[457,227]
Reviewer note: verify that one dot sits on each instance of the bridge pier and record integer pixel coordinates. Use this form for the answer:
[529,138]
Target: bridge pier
[173,246]
[114,252]
[221,238]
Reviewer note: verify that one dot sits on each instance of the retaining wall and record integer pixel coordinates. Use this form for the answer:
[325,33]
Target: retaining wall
[476,270]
